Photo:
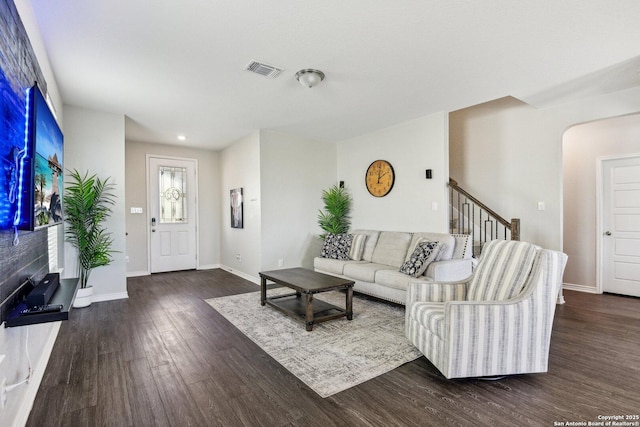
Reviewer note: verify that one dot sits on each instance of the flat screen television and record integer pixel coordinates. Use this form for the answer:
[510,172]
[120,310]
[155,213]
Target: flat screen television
[41,179]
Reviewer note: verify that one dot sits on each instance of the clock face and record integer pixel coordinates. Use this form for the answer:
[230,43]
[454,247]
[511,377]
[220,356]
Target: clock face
[380,178]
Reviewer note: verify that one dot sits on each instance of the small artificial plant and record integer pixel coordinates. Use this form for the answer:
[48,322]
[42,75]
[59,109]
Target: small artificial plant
[87,205]
[335,218]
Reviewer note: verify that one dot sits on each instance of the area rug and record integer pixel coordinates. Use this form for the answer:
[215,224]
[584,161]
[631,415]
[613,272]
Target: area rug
[337,354]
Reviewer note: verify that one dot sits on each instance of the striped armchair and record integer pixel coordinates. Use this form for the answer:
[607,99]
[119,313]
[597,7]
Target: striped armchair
[498,322]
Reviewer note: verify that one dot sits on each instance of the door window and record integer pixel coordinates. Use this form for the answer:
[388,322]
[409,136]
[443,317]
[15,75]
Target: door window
[173,194]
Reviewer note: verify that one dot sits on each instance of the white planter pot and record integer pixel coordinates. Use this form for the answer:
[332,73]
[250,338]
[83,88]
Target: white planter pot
[84,297]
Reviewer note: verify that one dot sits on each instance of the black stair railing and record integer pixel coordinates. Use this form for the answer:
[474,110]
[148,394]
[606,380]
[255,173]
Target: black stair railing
[468,215]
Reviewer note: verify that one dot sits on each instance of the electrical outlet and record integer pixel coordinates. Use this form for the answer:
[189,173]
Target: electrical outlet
[281,262]
[238,258]
[3,393]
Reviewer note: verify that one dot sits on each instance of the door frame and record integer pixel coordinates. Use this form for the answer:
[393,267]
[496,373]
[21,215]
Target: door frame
[197,194]
[600,214]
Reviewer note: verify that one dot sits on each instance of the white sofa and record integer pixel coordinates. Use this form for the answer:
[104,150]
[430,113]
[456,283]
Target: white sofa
[377,273]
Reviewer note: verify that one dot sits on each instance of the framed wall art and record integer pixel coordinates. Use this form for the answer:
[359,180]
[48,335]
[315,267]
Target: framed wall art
[236,208]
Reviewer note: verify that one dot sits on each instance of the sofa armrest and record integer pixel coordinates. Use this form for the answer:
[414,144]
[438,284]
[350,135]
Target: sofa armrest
[436,292]
[451,270]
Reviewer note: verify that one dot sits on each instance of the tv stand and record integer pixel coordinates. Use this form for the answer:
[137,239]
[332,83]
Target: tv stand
[64,295]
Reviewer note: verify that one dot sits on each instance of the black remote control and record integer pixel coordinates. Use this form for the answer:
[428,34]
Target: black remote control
[40,309]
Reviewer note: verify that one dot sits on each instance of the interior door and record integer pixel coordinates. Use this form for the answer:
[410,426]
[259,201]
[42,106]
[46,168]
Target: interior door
[621,226]
[172,214]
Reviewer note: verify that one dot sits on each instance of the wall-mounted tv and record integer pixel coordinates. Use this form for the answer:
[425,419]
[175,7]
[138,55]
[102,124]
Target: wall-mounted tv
[42,172]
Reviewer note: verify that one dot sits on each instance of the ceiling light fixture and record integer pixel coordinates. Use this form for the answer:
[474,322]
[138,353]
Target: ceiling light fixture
[182,138]
[309,77]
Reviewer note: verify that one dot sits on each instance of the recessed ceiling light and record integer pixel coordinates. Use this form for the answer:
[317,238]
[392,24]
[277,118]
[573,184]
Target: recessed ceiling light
[182,138]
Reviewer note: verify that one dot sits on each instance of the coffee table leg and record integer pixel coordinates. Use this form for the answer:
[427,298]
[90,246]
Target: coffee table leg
[263,290]
[309,312]
[350,303]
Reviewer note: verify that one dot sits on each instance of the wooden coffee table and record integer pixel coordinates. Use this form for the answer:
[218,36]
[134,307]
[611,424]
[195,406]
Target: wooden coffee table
[307,282]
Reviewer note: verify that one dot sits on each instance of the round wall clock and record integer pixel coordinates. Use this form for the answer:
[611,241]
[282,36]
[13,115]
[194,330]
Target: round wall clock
[380,178]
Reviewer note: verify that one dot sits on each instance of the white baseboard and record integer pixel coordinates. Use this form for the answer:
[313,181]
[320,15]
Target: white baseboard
[580,288]
[147,273]
[208,267]
[239,273]
[109,297]
[137,273]
[36,378]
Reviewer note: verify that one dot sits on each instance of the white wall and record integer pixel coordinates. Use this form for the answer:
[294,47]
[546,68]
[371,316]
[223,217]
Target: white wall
[582,145]
[411,148]
[293,173]
[94,142]
[209,202]
[240,168]
[509,155]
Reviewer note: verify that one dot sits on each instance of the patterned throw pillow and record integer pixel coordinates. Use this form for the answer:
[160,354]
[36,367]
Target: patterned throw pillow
[420,259]
[357,246]
[336,246]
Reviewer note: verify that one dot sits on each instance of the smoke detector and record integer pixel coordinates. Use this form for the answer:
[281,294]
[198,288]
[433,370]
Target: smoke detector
[263,69]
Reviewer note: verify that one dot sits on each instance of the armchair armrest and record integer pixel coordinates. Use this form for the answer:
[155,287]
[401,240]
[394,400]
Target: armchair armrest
[436,291]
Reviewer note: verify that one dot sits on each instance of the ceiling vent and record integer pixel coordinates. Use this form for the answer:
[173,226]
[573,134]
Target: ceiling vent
[263,69]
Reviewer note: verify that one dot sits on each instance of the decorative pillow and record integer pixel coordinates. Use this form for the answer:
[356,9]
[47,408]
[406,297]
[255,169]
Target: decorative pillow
[357,246]
[420,259]
[336,246]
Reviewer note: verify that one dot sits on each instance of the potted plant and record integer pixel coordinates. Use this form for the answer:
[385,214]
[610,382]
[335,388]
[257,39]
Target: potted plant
[87,205]
[335,218]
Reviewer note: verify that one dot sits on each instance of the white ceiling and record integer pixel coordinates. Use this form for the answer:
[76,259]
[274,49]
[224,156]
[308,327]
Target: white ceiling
[176,66]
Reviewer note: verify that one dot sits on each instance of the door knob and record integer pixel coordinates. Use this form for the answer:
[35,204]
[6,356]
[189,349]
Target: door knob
[607,233]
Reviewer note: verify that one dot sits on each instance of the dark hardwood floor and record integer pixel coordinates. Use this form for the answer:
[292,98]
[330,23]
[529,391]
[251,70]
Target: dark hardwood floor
[166,358]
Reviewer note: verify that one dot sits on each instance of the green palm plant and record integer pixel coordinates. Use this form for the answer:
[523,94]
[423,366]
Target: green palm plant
[87,204]
[335,218]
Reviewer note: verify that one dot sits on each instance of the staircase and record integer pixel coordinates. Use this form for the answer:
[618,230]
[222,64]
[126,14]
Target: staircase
[468,215]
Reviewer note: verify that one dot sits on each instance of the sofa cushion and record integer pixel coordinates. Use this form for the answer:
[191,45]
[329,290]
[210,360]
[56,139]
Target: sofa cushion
[447,244]
[366,271]
[357,246]
[396,280]
[503,270]
[370,243]
[336,246]
[332,266]
[391,248]
[422,256]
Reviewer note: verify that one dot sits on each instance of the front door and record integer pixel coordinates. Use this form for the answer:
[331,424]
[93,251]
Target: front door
[621,226]
[172,214]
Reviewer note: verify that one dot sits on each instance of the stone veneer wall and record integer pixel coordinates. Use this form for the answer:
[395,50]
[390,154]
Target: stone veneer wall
[20,69]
